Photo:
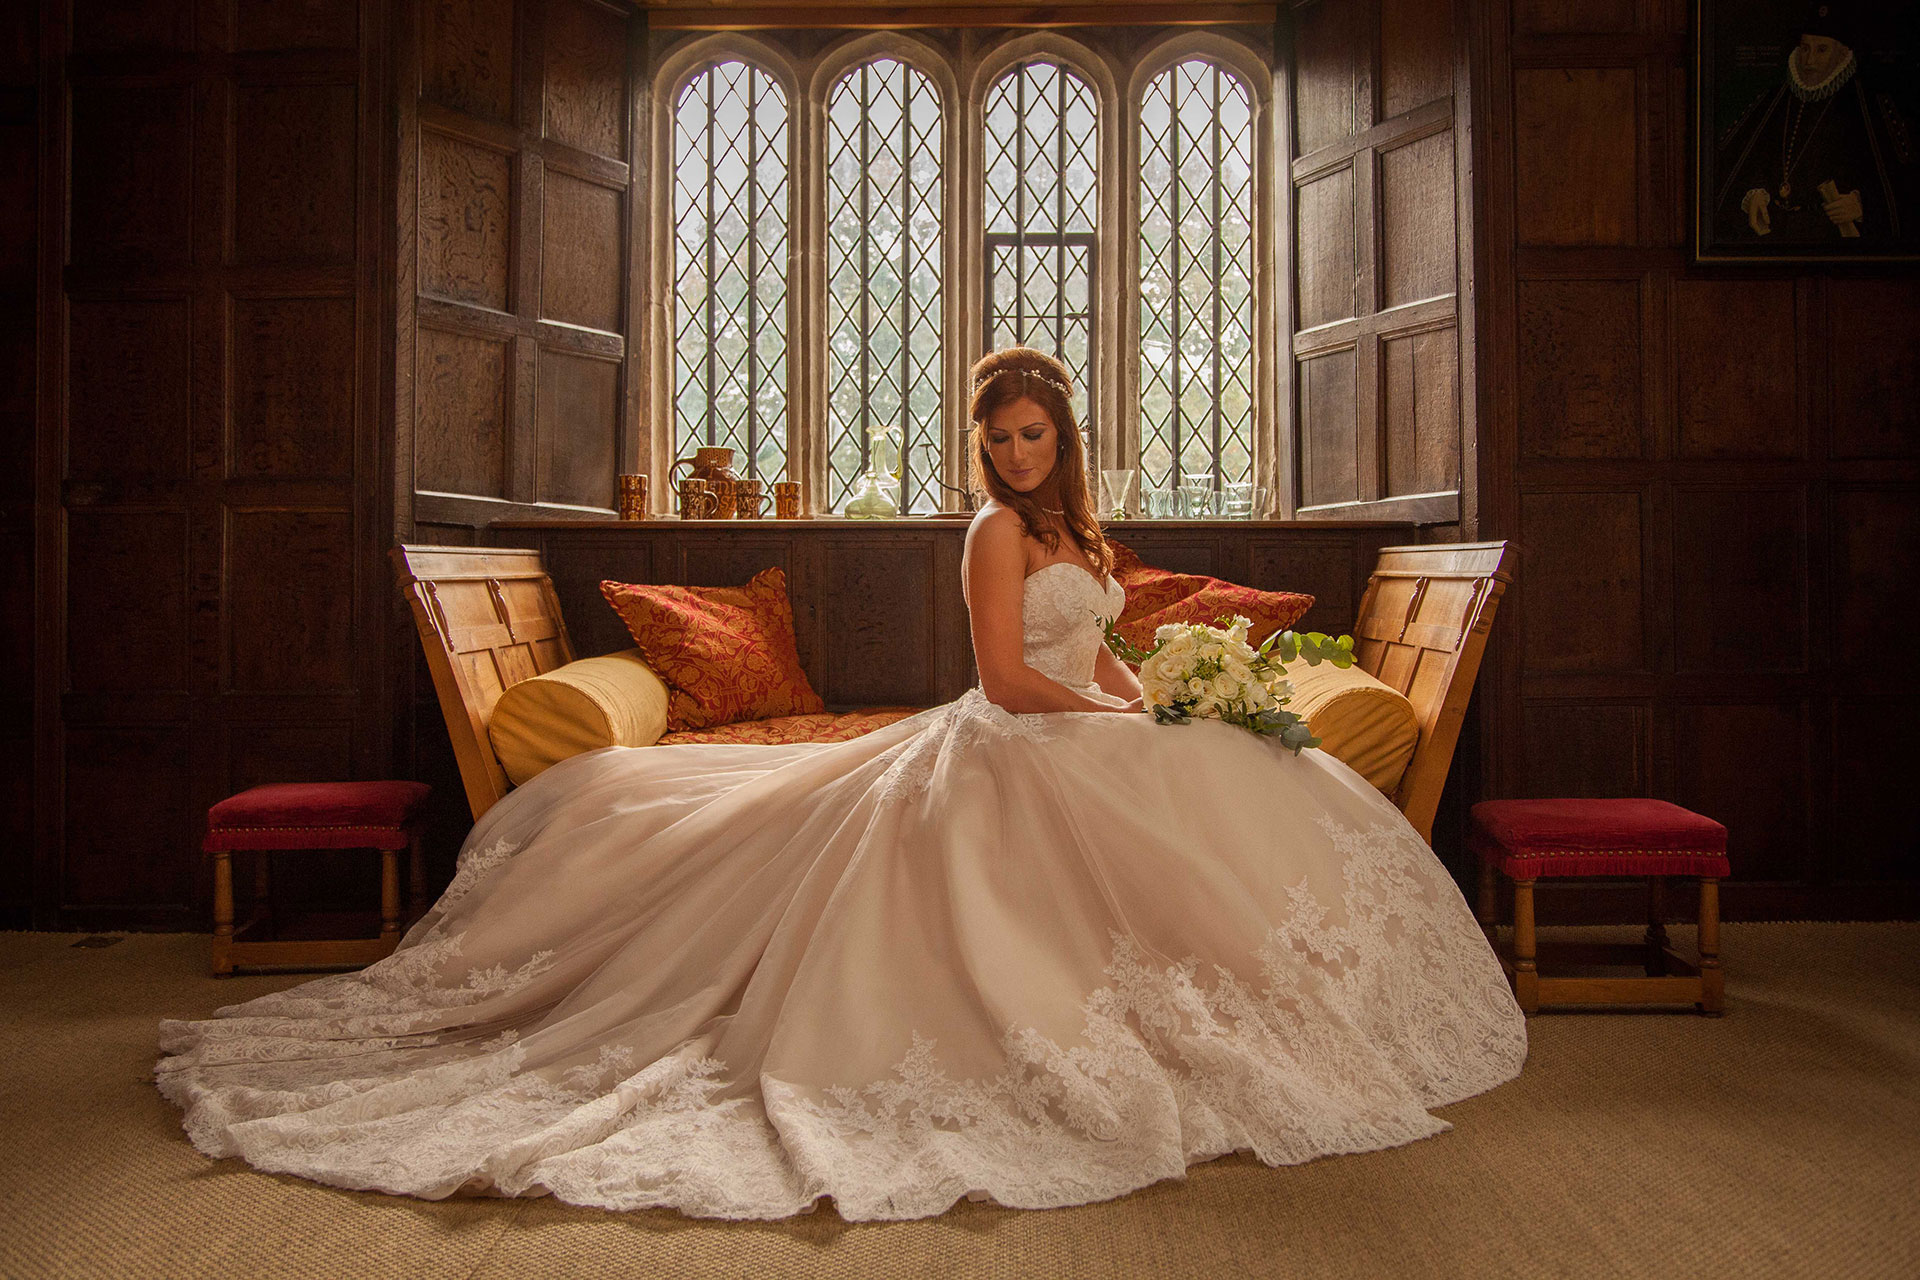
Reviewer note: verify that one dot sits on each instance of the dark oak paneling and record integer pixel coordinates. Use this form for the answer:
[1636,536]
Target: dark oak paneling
[206,505]
[1580,393]
[465,191]
[1711,472]
[294,384]
[461,387]
[1382,248]
[1577,155]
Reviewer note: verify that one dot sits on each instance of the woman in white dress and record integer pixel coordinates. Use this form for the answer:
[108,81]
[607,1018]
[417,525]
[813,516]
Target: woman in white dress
[1025,946]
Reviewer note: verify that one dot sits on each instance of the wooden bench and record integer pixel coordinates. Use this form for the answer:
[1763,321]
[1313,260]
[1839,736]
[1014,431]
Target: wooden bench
[488,617]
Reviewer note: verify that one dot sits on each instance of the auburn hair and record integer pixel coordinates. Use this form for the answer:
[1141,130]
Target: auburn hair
[1019,373]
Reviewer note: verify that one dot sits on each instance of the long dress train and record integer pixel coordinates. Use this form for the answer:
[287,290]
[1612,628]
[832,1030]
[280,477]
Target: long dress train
[1045,959]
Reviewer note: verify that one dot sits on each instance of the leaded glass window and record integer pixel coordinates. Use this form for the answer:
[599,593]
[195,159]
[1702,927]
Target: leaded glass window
[1042,197]
[883,278]
[1196,277]
[730,267]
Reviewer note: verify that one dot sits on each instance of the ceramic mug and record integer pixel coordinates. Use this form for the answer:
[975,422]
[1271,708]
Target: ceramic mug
[697,501]
[749,503]
[726,494]
[633,496]
[786,499]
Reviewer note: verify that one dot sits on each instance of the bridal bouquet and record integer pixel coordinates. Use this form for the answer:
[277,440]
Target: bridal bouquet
[1195,670]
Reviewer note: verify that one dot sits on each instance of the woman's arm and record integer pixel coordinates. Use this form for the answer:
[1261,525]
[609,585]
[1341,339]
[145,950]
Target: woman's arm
[995,569]
[1116,677]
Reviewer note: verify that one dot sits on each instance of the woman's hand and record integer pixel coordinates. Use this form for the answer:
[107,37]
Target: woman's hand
[1135,705]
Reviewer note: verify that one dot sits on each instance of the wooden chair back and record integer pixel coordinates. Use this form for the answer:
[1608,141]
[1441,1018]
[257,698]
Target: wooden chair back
[1422,629]
[488,618]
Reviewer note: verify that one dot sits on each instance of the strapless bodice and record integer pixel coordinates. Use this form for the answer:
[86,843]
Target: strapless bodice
[1061,615]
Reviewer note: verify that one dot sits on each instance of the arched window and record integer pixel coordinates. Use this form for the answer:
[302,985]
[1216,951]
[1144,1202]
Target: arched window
[730,266]
[1042,198]
[1196,278]
[883,277]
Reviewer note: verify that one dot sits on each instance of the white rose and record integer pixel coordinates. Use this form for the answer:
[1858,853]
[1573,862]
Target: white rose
[1198,687]
[1225,688]
[1238,669]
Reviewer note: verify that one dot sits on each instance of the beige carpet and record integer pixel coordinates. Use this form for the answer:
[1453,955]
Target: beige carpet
[1781,1140]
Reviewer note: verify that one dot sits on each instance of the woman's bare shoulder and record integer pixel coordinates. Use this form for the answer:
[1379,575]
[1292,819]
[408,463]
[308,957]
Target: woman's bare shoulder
[996,526]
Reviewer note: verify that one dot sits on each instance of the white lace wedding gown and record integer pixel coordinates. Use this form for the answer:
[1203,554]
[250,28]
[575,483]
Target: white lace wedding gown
[1045,959]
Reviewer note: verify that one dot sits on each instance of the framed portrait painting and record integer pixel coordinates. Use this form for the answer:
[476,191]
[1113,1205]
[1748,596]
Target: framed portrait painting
[1805,130]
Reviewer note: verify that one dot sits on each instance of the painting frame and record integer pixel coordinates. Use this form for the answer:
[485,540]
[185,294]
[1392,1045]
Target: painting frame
[1804,145]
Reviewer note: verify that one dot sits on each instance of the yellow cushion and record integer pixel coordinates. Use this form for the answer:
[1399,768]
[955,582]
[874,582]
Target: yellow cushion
[610,701]
[1367,725]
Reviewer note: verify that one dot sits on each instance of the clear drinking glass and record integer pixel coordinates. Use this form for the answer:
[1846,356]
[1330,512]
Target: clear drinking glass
[1157,503]
[1117,492]
[1237,500]
[1197,496]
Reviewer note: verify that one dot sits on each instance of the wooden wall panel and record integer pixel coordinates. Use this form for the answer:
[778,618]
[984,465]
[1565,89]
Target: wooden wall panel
[129,820]
[460,431]
[111,26]
[294,386]
[1584,582]
[1326,249]
[1711,471]
[129,393]
[1420,407]
[466,54]
[1576,156]
[132,169]
[293,155]
[1586,749]
[1417,209]
[287,573]
[207,508]
[1541,17]
[1383,243]
[1328,440]
[1875,566]
[585,80]
[266,25]
[1740,579]
[1580,388]
[1747,765]
[1729,407]
[577,424]
[465,193]
[20,339]
[1330,56]
[580,280]
[1416,55]
[127,601]
[1871,348]
[1875,742]
[879,605]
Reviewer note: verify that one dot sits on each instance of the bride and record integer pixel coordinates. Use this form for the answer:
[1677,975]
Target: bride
[1026,946]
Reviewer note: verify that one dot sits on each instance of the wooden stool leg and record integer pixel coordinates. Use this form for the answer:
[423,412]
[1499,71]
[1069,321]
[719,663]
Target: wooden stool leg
[1656,962]
[222,913]
[1487,905]
[389,895]
[1712,981]
[416,877]
[1526,976]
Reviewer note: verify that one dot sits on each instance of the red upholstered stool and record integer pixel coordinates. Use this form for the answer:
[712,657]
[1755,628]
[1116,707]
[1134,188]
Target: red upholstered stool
[313,815]
[1527,839]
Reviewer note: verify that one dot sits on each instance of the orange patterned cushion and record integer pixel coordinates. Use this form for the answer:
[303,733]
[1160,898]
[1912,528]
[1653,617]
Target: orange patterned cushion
[726,653]
[822,726]
[1156,597]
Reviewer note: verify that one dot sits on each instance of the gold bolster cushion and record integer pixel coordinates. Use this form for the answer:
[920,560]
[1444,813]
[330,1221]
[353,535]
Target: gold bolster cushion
[1366,725]
[610,701]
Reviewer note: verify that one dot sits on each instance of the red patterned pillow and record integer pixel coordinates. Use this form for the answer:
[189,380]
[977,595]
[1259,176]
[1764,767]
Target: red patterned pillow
[726,653]
[1156,597]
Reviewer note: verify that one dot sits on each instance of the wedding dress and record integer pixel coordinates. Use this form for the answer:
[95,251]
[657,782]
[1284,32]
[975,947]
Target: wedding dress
[1042,959]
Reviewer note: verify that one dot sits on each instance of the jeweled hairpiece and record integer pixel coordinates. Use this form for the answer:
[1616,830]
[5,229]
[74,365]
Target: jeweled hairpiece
[1065,391]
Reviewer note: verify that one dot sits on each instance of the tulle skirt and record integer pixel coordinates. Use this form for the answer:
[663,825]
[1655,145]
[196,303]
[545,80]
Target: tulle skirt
[1044,959]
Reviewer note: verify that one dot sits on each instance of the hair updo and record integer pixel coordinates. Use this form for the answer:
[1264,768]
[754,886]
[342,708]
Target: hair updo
[1017,373]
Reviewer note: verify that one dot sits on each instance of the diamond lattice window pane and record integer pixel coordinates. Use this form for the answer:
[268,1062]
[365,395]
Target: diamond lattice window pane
[883,272]
[1196,277]
[730,267]
[1041,151]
